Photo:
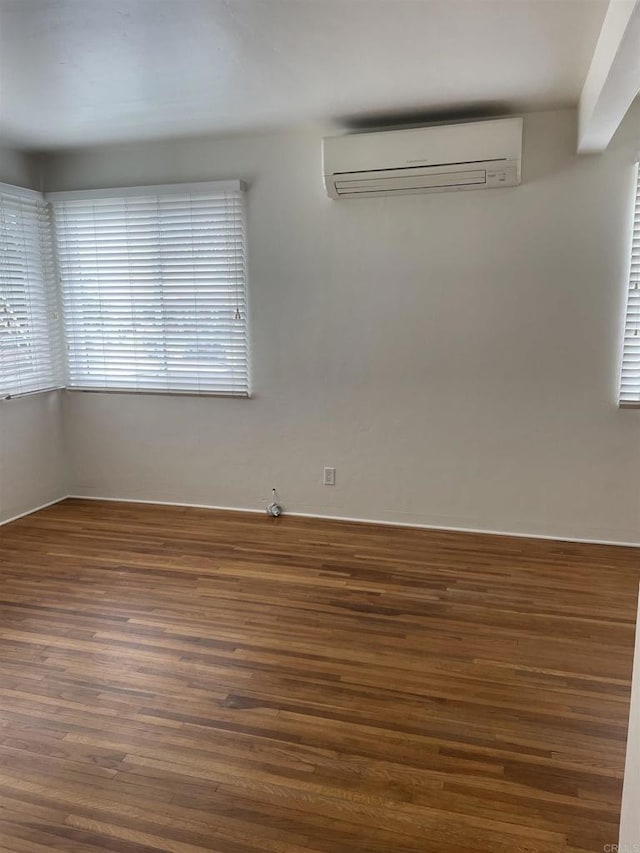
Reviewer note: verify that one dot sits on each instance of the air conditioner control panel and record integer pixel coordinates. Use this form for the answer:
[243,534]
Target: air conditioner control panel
[502,177]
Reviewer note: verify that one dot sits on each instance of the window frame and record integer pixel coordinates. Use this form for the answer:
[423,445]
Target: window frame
[42,310]
[632,291]
[160,190]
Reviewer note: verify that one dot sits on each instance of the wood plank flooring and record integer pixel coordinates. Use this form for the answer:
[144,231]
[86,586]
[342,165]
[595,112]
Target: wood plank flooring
[188,680]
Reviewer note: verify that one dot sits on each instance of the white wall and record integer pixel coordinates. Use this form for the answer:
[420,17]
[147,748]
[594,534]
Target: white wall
[630,817]
[32,465]
[19,169]
[454,356]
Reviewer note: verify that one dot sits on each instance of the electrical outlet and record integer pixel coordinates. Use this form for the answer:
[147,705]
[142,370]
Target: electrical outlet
[329,476]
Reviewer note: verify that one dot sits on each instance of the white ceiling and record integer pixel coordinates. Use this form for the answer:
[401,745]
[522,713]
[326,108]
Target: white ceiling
[77,72]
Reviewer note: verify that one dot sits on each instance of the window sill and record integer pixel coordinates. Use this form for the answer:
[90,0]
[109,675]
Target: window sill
[7,398]
[161,393]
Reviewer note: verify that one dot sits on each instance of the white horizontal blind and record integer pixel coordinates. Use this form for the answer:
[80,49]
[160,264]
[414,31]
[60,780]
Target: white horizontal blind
[630,378]
[30,354]
[154,288]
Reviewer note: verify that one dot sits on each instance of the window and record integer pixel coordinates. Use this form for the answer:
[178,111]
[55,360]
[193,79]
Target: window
[153,288]
[630,378]
[29,334]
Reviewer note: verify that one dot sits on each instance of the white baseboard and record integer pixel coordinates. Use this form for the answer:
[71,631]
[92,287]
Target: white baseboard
[377,522]
[350,519]
[31,511]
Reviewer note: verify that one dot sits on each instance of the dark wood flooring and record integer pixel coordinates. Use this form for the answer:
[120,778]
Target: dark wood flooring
[187,680]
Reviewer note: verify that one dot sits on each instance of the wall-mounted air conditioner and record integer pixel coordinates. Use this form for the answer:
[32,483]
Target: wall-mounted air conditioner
[471,156]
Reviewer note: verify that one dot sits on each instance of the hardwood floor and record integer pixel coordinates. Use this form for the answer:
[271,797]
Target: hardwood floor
[187,680]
